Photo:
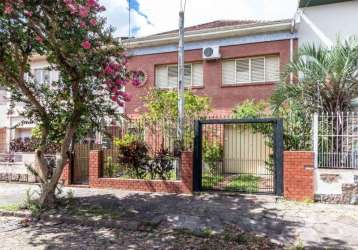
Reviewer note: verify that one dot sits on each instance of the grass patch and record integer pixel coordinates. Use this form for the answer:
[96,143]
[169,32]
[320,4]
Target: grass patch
[244,183]
[208,182]
[10,208]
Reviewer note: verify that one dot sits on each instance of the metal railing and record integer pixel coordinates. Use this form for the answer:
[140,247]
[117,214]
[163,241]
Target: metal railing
[335,137]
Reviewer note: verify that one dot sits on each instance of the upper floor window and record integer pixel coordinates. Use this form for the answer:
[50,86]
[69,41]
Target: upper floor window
[43,75]
[167,75]
[251,70]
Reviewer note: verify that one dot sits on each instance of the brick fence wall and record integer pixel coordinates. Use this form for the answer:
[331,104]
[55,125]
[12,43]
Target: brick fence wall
[182,186]
[298,175]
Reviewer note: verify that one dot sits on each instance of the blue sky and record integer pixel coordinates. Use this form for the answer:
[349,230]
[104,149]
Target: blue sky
[153,16]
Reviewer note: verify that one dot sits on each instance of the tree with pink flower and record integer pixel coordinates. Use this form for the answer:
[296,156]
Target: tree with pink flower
[73,38]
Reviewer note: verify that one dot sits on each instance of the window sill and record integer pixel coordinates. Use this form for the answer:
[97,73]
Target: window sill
[193,87]
[247,84]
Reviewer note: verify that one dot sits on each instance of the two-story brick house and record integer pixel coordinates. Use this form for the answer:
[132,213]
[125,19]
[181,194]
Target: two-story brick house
[251,56]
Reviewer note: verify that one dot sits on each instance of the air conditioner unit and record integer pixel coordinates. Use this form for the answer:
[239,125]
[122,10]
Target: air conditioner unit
[211,53]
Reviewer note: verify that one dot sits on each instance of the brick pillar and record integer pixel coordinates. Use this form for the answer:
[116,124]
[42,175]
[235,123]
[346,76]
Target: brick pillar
[187,171]
[298,175]
[66,175]
[94,169]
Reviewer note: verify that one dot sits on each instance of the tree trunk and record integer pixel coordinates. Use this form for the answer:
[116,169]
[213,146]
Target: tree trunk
[41,167]
[48,189]
[47,197]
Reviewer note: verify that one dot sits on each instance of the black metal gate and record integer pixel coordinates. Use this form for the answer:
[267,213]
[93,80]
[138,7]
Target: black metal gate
[244,155]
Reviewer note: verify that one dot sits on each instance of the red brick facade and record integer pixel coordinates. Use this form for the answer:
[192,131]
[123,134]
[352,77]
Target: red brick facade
[298,175]
[223,98]
[185,185]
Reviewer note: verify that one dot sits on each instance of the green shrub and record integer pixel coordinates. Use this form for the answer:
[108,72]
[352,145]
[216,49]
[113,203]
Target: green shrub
[111,168]
[213,154]
[250,109]
[162,165]
[133,155]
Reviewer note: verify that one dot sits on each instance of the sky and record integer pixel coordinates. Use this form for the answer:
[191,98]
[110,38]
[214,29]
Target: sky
[154,16]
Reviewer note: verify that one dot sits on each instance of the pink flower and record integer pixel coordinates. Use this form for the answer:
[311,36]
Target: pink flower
[108,70]
[29,13]
[86,44]
[120,103]
[115,66]
[91,3]
[136,82]
[114,98]
[39,39]
[83,11]
[108,83]
[8,9]
[126,97]
[93,22]
[83,25]
[72,7]
[115,90]
[119,82]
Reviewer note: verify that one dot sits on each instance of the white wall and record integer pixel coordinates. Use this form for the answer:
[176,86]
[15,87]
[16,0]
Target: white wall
[344,176]
[321,24]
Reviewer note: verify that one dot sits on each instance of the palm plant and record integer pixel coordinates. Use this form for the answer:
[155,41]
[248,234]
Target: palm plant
[326,82]
[327,78]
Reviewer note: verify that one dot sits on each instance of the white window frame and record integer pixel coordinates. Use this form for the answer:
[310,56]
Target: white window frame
[51,72]
[257,57]
[191,75]
[250,69]
[43,69]
[237,82]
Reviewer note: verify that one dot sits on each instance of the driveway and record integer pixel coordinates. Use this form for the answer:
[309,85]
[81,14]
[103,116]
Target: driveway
[315,225]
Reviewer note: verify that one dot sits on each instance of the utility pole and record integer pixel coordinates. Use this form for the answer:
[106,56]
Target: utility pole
[181,100]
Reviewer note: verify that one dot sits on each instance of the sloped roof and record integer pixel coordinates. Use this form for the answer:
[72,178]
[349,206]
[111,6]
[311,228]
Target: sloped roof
[213,30]
[214,24]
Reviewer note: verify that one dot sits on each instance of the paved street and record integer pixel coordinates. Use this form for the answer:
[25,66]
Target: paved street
[315,225]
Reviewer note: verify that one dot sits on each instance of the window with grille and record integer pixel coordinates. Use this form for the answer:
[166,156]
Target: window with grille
[167,75]
[45,76]
[251,70]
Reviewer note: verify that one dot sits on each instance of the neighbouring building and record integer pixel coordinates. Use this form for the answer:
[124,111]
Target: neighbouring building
[12,125]
[227,61]
[322,22]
